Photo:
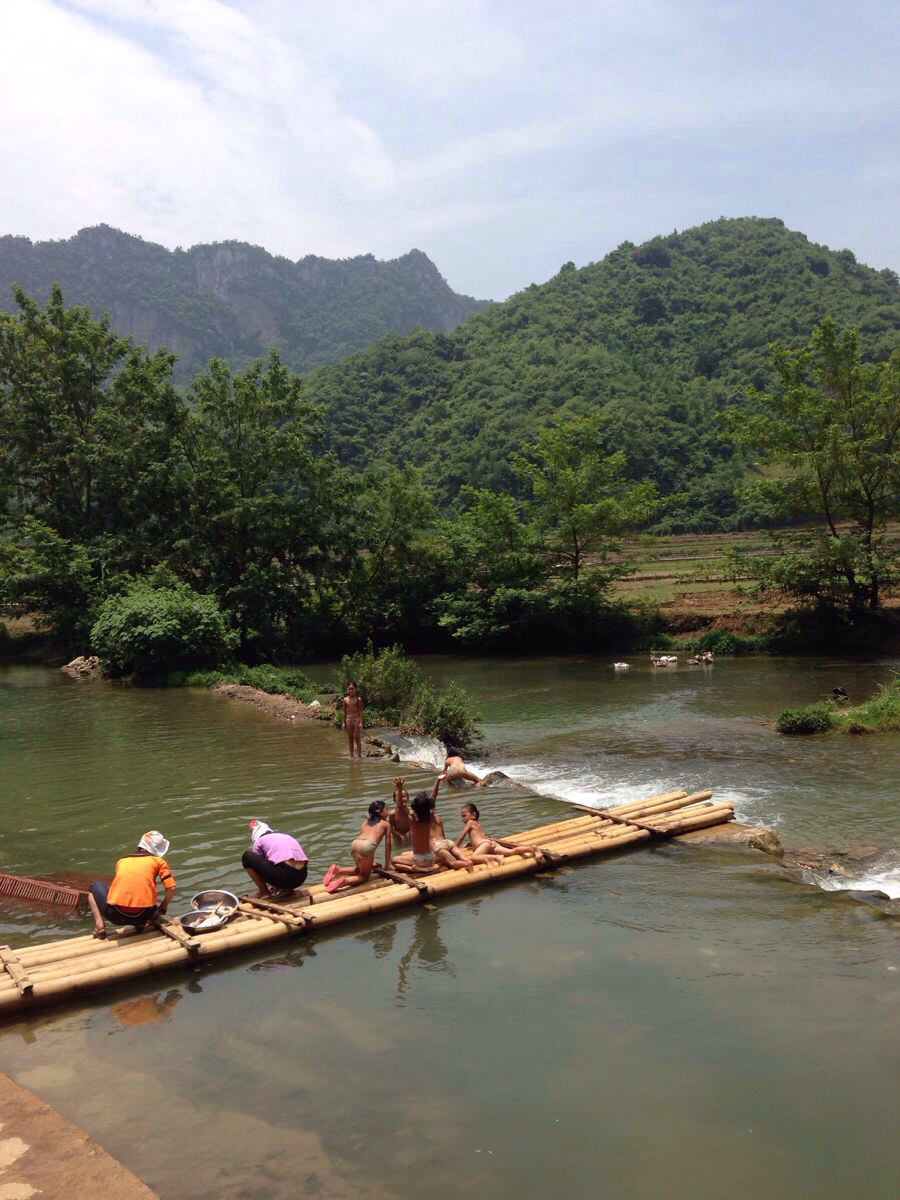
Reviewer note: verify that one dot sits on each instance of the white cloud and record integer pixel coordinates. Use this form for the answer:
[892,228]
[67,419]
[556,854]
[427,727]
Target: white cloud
[492,133]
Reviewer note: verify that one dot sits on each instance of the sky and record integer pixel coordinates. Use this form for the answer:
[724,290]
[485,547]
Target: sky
[502,137]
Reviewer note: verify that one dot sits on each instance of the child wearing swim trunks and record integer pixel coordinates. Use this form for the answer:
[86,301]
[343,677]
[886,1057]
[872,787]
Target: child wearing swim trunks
[375,828]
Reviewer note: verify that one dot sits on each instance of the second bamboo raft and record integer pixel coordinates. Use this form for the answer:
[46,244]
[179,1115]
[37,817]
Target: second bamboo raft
[53,971]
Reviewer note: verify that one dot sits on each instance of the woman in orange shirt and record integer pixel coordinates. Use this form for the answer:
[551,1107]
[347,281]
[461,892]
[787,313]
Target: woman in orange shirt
[131,898]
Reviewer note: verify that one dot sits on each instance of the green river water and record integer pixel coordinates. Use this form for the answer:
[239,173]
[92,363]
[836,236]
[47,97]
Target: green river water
[674,1022]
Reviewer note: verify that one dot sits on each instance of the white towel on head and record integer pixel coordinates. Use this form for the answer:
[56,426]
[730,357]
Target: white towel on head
[257,829]
[154,843]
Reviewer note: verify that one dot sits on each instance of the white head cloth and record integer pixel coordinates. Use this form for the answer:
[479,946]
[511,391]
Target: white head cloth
[257,829]
[154,843]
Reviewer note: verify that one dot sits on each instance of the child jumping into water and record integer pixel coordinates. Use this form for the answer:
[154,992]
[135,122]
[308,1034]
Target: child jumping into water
[352,718]
[373,829]
[481,844]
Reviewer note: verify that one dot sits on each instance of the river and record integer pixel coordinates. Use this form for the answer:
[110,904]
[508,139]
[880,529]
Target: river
[674,1022]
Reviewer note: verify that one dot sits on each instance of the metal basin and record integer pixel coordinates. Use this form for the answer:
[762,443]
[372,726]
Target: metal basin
[212,909]
[214,898]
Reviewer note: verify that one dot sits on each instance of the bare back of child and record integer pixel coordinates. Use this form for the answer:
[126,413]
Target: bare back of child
[374,829]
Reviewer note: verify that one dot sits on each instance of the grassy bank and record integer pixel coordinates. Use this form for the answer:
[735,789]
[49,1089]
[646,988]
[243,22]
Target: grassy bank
[879,714]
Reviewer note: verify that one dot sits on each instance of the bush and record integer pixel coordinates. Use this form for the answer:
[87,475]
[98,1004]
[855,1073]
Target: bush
[720,641]
[149,630]
[814,718]
[395,692]
[443,714]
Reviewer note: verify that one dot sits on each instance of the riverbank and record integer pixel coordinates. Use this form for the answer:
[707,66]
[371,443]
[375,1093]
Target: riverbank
[43,1154]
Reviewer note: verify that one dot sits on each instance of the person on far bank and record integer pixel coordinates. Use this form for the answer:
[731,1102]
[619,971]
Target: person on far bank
[275,861]
[352,718]
[131,898]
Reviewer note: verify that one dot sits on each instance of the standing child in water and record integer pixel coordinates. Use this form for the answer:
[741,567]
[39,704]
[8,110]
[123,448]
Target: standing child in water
[482,844]
[352,718]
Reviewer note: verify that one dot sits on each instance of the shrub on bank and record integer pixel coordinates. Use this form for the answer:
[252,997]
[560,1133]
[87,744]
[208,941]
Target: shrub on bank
[395,692]
[151,630]
[724,643]
[813,718]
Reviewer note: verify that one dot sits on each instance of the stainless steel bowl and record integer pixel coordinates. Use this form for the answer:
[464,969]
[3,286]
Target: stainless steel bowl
[202,922]
[214,898]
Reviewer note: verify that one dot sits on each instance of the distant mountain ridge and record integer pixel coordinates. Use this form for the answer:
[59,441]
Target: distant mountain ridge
[232,299]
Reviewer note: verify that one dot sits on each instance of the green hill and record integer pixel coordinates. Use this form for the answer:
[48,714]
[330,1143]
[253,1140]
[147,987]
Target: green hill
[232,299]
[656,338]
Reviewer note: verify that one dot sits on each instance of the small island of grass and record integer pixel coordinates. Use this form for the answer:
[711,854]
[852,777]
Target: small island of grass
[879,714]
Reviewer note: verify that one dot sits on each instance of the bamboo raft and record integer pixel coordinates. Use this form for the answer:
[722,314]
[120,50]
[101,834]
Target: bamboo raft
[55,971]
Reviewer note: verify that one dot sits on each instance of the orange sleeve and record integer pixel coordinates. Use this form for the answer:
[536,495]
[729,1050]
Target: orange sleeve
[164,873]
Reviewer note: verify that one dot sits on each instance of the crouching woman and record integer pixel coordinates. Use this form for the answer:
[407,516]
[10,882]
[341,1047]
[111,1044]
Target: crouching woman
[131,898]
[275,861]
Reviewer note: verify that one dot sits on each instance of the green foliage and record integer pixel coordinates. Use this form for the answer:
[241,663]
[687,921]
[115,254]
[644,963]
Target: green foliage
[833,430]
[259,502]
[879,714]
[148,631]
[582,496]
[51,579]
[275,680]
[722,642]
[582,344]
[814,718]
[395,692]
[444,714]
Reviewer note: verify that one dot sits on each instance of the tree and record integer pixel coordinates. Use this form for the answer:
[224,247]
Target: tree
[831,431]
[88,458]
[583,499]
[262,499]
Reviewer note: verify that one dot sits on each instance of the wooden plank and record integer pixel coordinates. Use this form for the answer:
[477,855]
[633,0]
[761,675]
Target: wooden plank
[175,931]
[12,965]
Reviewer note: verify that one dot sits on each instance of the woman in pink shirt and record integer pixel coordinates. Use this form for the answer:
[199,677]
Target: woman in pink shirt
[275,861]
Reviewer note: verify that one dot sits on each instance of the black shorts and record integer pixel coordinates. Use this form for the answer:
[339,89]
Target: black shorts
[115,915]
[277,875]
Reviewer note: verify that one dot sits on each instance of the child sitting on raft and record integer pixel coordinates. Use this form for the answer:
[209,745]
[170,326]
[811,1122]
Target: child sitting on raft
[400,818]
[374,828]
[483,845]
[431,848]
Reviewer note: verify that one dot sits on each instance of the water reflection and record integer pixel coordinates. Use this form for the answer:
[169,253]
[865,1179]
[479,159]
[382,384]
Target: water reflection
[145,1010]
[426,949]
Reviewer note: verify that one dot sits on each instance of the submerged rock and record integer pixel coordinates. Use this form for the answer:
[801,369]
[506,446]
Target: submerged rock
[83,667]
[755,837]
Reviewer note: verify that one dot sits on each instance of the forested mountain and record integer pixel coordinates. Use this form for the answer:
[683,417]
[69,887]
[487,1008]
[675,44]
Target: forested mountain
[656,339]
[232,299]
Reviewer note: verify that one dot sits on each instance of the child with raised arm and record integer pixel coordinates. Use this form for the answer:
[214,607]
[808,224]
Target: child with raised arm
[400,818]
[375,828]
[481,844]
[352,718]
